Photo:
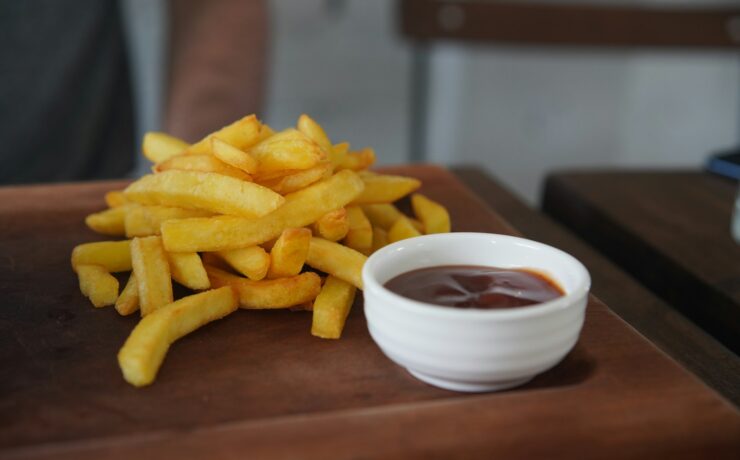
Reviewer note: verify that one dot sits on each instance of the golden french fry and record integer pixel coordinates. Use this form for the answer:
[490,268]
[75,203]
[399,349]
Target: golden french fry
[337,154]
[152,271]
[143,353]
[315,132]
[382,215]
[115,198]
[227,232]
[337,260]
[128,300]
[207,191]
[433,215]
[362,159]
[158,147]
[113,256]
[360,234]
[233,156]
[383,188]
[202,163]
[252,262]
[242,134]
[402,229]
[146,220]
[214,260]
[187,269]
[331,307]
[289,253]
[108,222]
[97,284]
[380,238]
[269,294]
[298,180]
[265,132]
[332,226]
[289,149]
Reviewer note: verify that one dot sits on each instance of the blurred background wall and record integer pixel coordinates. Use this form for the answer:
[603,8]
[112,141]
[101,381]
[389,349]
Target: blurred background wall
[519,111]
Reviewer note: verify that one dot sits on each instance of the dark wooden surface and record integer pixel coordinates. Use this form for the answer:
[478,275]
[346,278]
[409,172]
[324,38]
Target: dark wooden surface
[258,384]
[654,318]
[540,23]
[671,230]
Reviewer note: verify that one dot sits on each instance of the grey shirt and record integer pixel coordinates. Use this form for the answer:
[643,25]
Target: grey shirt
[65,98]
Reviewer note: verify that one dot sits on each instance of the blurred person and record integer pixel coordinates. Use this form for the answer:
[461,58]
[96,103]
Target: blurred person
[66,110]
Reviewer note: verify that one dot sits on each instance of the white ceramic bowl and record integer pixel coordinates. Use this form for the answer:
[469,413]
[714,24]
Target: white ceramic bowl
[474,349]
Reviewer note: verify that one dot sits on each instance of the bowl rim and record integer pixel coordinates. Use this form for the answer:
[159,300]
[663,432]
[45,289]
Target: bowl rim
[569,300]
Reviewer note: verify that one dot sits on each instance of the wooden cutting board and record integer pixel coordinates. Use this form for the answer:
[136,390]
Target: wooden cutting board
[257,384]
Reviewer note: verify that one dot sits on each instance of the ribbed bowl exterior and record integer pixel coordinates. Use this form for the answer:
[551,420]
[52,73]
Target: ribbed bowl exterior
[477,347]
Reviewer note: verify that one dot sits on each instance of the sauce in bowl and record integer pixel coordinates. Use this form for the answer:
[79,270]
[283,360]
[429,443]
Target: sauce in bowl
[473,286]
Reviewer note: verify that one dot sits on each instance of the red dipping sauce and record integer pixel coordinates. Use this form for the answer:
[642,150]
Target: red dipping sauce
[472,286]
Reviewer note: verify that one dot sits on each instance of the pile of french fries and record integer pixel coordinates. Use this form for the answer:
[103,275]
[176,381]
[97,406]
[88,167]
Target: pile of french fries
[249,218]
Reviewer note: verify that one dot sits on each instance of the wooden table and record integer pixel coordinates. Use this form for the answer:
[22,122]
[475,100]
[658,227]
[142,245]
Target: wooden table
[671,230]
[258,385]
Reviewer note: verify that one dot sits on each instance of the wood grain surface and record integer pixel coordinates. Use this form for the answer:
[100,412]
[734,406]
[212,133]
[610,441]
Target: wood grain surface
[257,384]
[653,317]
[670,229]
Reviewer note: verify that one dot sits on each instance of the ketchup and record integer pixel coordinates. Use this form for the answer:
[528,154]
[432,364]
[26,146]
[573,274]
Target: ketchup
[473,286]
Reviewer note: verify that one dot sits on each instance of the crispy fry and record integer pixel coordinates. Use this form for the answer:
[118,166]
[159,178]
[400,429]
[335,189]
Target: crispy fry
[402,229]
[360,234]
[289,149]
[233,156]
[362,159]
[146,220]
[332,226]
[382,215]
[331,307]
[97,284]
[226,232]
[336,260]
[143,353]
[299,179]
[207,191]
[315,132]
[382,188]
[242,134]
[187,269]
[114,256]
[269,294]
[115,198]
[338,153]
[380,238]
[265,132]
[152,271]
[289,253]
[252,262]
[108,222]
[202,163]
[128,300]
[433,215]
[158,147]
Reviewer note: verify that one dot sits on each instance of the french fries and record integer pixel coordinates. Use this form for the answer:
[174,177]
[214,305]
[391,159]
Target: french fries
[243,218]
[202,163]
[301,208]
[331,307]
[143,353]
[433,215]
[114,256]
[207,191]
[159,147]
[289,253]
[128,302]
[109,222]
[187,269]
[252,262]
[152,270]
[335,259]
[269,294]
[98,285]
